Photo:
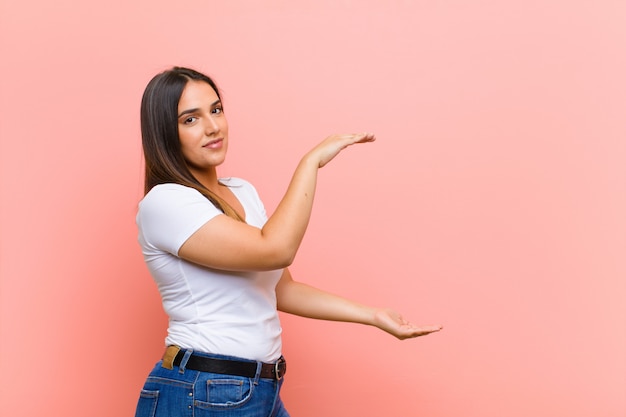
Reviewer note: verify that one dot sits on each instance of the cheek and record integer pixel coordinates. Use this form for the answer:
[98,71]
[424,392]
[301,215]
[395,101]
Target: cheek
[224,125]
[186,147]
[188,138]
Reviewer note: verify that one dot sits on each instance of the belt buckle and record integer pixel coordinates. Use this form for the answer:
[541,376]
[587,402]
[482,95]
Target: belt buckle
[280,368]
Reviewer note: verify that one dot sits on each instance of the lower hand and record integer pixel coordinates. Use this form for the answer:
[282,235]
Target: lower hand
[393,323]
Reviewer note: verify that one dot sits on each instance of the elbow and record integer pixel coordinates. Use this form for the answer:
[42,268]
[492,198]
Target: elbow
[282,257]
[284,260]
[289,260]
[279,251]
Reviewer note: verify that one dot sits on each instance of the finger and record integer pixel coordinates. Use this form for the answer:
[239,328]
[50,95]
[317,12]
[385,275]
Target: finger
[429,330]
[424,330]
[366,137]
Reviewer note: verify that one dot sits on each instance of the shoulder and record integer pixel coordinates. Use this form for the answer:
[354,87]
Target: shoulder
[163,193]
[170,213]
[172,198]
[169,189]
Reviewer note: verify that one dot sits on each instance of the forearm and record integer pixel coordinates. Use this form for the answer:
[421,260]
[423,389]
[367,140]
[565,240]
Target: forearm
[287,225]
[306,301]
[285,228]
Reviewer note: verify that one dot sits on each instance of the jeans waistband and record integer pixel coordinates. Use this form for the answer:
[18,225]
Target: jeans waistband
[174,356]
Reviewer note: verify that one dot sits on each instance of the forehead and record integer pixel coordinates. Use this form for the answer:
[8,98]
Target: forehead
[197,94]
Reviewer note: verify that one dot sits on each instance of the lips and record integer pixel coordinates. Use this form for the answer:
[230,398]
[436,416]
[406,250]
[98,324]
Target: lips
[214,144]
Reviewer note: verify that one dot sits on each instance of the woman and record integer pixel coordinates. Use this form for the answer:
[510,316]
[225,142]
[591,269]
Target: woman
[220,264]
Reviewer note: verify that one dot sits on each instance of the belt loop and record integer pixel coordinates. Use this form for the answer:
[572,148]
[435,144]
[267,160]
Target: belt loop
[183,362]
[257,375]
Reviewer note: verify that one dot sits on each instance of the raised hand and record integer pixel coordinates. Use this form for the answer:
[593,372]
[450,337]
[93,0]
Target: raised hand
[332,145]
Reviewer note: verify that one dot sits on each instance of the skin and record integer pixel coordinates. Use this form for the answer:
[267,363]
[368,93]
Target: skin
[203,132]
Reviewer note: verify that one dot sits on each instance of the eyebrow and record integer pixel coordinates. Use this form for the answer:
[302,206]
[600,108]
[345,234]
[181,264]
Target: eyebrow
[190,111]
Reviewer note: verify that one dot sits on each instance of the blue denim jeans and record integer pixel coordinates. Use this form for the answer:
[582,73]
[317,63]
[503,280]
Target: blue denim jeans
[183,392]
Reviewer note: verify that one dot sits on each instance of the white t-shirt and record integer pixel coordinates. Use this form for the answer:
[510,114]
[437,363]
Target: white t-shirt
[214,311]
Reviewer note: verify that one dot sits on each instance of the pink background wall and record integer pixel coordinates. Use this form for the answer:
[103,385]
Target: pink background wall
[493,201]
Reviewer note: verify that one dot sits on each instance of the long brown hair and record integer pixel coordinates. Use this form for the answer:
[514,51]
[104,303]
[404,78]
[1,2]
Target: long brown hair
[159,134]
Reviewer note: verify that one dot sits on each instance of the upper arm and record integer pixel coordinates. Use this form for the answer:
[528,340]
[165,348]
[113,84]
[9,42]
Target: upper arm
[179,220]
[228,244]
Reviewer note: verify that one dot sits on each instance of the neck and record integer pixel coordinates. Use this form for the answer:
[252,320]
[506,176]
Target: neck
[208,178]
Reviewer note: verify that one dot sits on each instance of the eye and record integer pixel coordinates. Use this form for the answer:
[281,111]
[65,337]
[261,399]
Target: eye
[217,110]
[189,120]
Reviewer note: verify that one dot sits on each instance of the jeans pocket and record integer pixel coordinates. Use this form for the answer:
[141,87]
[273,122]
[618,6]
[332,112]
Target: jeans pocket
[225,393]
[147,404]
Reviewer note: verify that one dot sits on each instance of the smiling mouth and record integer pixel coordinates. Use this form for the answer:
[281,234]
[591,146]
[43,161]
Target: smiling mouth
[213,143]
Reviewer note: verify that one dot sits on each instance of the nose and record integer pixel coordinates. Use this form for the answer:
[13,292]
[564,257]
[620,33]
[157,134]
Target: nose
[211,126]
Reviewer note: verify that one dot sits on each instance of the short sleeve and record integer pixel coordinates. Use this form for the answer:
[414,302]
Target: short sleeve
[169,214]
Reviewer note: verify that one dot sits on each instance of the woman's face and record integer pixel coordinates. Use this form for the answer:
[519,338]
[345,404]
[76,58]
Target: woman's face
[202,127]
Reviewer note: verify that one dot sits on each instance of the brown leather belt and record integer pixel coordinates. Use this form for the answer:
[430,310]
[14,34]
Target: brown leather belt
[174,355]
